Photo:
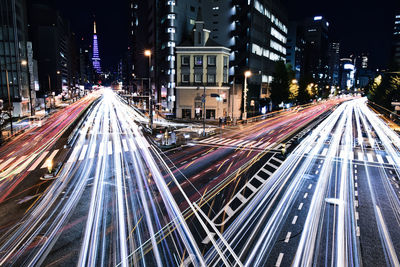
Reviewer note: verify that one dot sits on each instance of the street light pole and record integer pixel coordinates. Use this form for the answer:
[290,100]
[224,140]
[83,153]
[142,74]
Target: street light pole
[204,111]
[9,101]
[246,75]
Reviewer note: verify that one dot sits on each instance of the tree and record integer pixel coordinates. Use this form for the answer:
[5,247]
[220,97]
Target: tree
[384,90]
[282,78]
[304,96]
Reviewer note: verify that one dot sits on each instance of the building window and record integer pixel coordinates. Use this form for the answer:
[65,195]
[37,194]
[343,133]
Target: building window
[186,113]
[211,78]
[198,78]
[225,78]
[225,62]
[185,78]
[211,60]
[198,61]
[185,60]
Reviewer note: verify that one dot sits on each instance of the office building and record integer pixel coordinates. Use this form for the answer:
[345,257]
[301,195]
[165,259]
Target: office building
[396,42]
[55,49]
[295,48]
[334,63]
[14,51]
[202,66]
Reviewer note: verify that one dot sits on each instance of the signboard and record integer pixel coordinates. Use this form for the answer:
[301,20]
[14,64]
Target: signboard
[395,103]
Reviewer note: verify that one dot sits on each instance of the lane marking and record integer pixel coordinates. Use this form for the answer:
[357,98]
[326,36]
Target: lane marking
[380,159]
[294,219]
[279,260]
[6,163]
[92,151]
[389,159]
[288,237]
[370,158]
[101,149]
[324,152]
[358,231]
[310,186]
[360,156]
[38,161]
[300,206]
[83,153]
[305,195]
[49,159]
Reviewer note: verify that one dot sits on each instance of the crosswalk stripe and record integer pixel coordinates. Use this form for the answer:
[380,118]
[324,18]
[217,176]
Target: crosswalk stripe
[118,148]
[74,154]
[370,158]
[229,142]
[6,163]
[360,156]
[16,164]
[390,160]
[92,151]
[242,143]
[26,163]
[251,143]
[52,155]
[132,144]
[237,142]
[222,140]
[83,152]
[308,149]
[38,161]
[351,155]
[125,145]
[380,159]
[109,148]
[324,152]
[101,149]
[342,154]
[209,140]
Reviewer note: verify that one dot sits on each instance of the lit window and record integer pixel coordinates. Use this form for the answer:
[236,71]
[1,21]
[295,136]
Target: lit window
[198,60]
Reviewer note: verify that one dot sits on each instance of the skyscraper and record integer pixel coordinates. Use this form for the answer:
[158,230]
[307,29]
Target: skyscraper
[13,51]
[334,63]
[96,57]
[396,42]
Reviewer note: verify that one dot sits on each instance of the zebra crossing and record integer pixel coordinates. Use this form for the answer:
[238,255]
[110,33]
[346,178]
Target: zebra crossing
[244,195]
[253,144]
[79,153]
[359,156]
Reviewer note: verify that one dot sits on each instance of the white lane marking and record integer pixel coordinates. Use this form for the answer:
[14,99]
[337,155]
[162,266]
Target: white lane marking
[355,165]
[49,159]
[83,152]
[208,140]
[370,158]
[26,163]
[109,148]
[319,166]
[342,154]
[294,219]
[390,160]
[360,156]
[355,171]
[307,149]
[279,260]
[92,151]
[355,177]
[6,163]
[356,185]
[317,171]
[310,186]
[351,155]
[232,140]
[356,203]
[300,206]
[357,216]
[37,162]
[125,145]
[221,141]
[356,193]
[380,159]
[118,148]
[242,143]
[101,149]
[251,143]
[288,237]
[358,231]
[305,195]
[324,152]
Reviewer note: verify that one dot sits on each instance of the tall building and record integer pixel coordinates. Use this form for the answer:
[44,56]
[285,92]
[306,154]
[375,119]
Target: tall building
[161,36]
[96,56]
[316,49]
[396,42]
[295,48]
[55,49]
[334,63]
[14,51]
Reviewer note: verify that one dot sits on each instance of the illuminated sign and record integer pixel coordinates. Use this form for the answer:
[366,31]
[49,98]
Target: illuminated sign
[317,18]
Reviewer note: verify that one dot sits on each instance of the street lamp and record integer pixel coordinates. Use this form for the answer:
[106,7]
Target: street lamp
[147,53]
[247,74]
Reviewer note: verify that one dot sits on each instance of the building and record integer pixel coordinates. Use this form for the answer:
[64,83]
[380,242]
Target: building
[202,66]
[55,49]
[160,36]
[347,74]
[334,63]
[14,52]
[295,48]
[316,55]
[396,42]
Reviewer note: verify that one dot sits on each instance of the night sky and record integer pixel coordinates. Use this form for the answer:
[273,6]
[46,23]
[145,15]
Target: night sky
[360,25]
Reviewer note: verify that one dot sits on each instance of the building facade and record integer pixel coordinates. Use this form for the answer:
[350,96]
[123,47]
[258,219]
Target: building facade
[202,77]
[396,42]
[334,63]
[13,52]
